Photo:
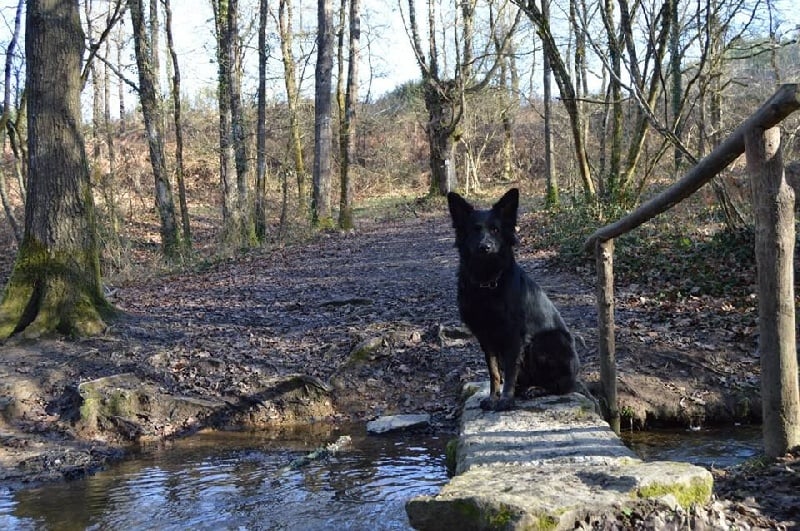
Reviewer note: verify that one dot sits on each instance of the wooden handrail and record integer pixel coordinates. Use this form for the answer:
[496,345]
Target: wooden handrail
[785,101]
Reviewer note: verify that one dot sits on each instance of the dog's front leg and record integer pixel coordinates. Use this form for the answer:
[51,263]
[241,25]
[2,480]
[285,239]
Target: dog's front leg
[511,360]
[494,380]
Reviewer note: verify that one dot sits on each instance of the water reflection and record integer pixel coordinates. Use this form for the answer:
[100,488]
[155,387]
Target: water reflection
[243,481]
[717,447]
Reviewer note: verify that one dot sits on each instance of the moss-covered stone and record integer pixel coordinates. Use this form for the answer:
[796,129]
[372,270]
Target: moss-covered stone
[698,490]
[365,350]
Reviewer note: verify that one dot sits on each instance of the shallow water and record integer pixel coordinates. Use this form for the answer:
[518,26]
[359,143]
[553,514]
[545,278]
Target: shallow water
[246,481]
[708,447]
[243,481]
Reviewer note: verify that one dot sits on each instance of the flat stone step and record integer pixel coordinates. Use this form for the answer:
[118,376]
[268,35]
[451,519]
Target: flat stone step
[550,463]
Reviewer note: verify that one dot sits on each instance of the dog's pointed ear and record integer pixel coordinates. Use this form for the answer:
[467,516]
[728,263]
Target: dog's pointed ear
[507,206]
[459,209]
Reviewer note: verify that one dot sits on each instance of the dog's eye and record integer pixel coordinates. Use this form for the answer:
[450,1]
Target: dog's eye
[495,230]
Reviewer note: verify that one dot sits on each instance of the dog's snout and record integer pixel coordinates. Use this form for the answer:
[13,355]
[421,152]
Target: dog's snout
[486,246]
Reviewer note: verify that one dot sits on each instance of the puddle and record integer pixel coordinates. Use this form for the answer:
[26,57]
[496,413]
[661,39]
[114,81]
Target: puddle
[717,447]
[243,481]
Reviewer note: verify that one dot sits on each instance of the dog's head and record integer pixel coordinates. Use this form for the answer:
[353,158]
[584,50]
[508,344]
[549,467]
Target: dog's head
[484,232]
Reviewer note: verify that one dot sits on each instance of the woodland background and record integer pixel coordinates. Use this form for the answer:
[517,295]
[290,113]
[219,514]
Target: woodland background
[590,107]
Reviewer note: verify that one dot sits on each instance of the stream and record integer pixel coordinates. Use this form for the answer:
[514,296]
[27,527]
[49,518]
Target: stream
[708,447]
[233,480]
[225,480]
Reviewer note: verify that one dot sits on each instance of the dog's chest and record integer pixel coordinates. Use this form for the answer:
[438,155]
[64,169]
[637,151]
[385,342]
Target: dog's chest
[488,311]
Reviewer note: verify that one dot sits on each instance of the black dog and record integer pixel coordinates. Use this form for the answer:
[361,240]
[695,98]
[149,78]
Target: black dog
[518,327]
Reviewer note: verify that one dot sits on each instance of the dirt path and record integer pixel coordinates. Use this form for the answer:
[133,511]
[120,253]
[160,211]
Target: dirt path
[370,313]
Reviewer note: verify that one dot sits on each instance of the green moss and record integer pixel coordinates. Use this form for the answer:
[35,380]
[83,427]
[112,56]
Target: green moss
[89,409]
[501,518]
[54,290]
[451,456]
[498,516]
[96,405]
[545,522]
[327,223]
[15,300]
[365,350]
[697,491]
[467,509]
[743,407]
[469,390]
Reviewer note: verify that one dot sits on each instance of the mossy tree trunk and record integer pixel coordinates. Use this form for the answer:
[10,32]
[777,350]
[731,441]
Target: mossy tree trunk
[55,284]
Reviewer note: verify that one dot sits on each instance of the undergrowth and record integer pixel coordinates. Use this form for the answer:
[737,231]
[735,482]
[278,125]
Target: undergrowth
[669,257]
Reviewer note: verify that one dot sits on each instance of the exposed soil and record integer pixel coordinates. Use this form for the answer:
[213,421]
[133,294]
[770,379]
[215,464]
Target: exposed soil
[372,315]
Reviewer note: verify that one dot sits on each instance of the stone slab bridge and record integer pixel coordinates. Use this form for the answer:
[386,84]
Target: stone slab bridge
[551,463]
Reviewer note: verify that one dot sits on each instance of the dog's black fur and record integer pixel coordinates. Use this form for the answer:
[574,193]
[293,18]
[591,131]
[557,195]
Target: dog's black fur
[519,329]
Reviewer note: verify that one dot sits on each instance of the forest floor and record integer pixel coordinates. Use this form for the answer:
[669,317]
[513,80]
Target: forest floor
[218,331]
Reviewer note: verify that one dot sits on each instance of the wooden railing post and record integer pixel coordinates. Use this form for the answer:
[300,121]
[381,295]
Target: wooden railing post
[604,256]
[773,206]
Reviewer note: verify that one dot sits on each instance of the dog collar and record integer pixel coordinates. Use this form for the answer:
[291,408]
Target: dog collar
[492,284]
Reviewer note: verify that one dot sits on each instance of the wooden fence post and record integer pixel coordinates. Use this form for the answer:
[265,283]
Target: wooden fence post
[773,205]
[604,256]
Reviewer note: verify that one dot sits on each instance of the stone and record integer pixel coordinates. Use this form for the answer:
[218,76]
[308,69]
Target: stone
[546,464]
[397,422]
[116,404]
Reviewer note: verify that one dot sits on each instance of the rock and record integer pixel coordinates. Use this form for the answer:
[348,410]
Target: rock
[125,407]
[365,350]
[397,422]
[281,400]
[547,464]
[117,406]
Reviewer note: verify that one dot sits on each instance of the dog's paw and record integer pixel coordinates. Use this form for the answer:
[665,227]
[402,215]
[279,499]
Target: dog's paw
[504,403]
[487,404]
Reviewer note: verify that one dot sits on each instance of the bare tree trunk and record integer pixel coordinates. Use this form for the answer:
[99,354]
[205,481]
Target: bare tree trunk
[246,228]
[292,99]
[445,96]
[613,188]
[440,139]
[340,63]
[509,85]
[176,103]
[323,141]
[55,283]
[96,94]
[155,37]
[260,214]
[153,120]
[230,212]
[773,200]
[120,43]
[551,182]
[6,117]
[677,79]
[604,256]
[109,179]
[567,91]
[351,103]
